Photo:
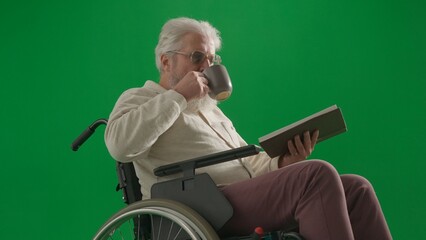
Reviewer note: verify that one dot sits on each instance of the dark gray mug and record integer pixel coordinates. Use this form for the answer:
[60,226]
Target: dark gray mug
[219,82]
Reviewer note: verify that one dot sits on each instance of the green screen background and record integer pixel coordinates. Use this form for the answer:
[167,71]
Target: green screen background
[64,64]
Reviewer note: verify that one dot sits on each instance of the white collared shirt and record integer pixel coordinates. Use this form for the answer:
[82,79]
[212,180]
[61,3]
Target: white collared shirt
[149,126]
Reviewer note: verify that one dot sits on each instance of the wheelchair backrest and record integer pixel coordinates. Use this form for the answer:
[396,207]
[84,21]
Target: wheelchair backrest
[128,182]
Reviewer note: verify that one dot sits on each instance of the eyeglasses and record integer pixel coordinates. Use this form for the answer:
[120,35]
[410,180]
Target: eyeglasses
[198,57]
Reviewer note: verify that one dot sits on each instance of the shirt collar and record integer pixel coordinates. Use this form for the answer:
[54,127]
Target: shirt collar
[154,86]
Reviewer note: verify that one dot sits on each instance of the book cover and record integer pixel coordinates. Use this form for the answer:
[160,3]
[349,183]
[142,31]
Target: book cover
[329,122]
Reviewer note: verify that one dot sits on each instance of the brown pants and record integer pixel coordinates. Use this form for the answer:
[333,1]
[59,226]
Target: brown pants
[309,195]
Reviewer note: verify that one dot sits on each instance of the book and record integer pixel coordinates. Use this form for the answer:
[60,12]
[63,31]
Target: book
[329,122]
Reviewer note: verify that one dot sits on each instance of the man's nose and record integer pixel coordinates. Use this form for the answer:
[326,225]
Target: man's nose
[205,64]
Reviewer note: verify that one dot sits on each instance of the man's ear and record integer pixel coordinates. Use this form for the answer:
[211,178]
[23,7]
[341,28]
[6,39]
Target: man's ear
[165,62]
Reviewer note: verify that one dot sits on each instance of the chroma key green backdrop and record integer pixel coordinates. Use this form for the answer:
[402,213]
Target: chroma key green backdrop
[64,64]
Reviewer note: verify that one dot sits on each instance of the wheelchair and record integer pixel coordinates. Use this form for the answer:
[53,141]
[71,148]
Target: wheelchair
[187,208]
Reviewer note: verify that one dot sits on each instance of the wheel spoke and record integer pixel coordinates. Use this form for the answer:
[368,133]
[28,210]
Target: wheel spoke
[121,234]
[139,228]
[177,234]
[159,228]
[157,220]
[170,231]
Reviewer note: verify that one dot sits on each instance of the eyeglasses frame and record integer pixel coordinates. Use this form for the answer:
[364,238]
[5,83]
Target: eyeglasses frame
[215,60]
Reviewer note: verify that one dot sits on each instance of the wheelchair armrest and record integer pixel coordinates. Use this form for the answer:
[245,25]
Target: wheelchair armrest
[189,166]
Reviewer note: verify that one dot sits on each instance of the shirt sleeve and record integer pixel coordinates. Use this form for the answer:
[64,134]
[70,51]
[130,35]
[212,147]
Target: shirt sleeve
[259,164]
[139,117]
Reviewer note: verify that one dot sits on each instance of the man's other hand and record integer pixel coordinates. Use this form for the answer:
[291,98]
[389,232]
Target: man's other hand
[298,150]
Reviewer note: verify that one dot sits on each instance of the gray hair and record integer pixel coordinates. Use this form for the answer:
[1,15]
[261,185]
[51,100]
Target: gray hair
[173,31]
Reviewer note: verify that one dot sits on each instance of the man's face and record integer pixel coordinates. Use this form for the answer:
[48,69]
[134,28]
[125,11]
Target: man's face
[181,64]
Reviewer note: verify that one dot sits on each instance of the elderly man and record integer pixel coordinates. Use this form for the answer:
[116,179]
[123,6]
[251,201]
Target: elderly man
[174,120]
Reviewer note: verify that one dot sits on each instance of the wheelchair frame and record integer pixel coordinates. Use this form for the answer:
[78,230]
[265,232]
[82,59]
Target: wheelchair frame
[170,199]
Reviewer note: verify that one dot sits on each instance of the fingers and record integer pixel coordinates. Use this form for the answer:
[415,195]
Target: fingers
[202,78]
[307,141]
[202,83]
[314,139]
[299,146]
[296,148]
[299,150]
[295,152]
[193,85]
[291,148]
[303,148]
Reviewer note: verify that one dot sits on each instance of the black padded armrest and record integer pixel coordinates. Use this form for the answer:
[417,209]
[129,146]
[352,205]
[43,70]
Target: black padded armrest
[207,160]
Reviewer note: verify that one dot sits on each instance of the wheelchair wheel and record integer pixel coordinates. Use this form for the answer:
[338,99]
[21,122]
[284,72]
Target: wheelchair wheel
[157,219]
